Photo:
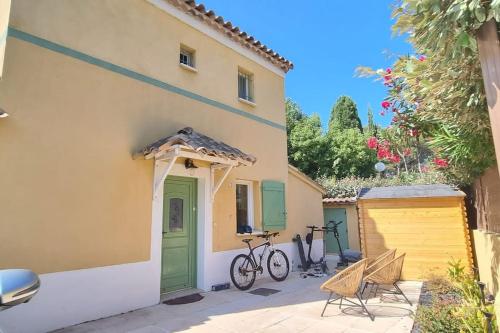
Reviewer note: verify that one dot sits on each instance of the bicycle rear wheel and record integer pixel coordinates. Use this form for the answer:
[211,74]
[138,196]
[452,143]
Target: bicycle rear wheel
[243,272]
[277,265]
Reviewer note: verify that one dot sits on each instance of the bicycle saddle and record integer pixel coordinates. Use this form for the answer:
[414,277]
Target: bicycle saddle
[246,240]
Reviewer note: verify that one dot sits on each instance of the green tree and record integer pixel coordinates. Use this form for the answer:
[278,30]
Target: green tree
[294,115]
[371,128]
[306,150]
[348,155]
[344,115]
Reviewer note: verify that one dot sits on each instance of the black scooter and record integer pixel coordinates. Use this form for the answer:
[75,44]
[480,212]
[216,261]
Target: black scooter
[332,226]
[307,263]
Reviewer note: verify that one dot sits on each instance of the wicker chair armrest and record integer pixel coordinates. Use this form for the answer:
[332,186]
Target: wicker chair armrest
[381,269]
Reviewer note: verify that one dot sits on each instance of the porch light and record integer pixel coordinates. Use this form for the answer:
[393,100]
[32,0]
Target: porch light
[189,164]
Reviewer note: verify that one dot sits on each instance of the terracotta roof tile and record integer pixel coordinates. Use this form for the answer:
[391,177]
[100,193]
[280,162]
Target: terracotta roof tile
[199,10]
[339,200]
[199,143]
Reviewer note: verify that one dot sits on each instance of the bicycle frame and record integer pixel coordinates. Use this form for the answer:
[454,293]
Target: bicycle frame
[268,244]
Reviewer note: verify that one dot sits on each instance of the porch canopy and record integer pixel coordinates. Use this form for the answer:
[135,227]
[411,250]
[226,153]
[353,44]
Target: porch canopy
[187,143]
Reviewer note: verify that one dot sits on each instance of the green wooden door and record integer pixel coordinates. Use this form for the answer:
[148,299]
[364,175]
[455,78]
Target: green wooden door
[337,215]
[178,270]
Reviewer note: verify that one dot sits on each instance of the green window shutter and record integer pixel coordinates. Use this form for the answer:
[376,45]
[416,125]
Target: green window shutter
[273,205]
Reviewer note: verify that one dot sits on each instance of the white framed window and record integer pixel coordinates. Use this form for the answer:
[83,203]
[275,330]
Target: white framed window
[187,56]
[244,205]
[245,86]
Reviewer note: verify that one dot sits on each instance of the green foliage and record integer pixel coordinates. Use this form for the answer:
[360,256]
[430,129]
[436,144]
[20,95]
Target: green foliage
[437,318]
[348,155]
[350,186]
[471,309]
[340,153]
[371,128]
[344,115]
[457,304]
[307,145]
[447,86]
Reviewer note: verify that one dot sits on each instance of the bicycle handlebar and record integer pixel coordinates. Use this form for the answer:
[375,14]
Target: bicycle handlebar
[267,234]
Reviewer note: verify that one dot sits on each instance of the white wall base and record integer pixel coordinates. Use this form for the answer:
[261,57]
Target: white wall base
[220,262]
[72,297]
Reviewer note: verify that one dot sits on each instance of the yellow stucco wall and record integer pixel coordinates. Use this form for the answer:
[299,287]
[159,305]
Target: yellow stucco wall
[303,205]
[487,250]
[71,196]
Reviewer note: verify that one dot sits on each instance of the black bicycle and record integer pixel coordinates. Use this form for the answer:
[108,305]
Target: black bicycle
[244,267]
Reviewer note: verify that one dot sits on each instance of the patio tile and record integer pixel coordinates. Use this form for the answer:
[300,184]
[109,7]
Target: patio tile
[296,308]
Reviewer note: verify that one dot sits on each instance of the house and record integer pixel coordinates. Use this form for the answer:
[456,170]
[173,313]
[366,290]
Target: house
[140,135]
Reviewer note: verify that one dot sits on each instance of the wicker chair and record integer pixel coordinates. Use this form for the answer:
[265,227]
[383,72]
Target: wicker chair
[388,274]
[372,261]
[376,263]
[346,283]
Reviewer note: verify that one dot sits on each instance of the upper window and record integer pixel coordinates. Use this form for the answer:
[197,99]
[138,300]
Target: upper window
[245,86]
[186,56]
[244,206]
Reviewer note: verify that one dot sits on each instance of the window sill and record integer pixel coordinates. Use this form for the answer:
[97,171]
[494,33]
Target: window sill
[255,233]
[189,68]
[247,102]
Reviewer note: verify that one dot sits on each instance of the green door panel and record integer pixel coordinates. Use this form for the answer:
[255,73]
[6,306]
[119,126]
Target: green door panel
[273,205]
[337,215]
[178,264]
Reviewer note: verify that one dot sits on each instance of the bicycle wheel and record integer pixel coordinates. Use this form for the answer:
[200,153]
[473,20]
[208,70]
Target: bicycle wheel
[243,272]
[277,265]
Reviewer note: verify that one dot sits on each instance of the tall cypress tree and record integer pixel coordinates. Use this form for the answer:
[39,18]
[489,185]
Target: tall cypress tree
[371,128]
[344,115]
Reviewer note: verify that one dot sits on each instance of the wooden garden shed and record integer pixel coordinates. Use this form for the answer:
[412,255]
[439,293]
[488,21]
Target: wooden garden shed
[427,222]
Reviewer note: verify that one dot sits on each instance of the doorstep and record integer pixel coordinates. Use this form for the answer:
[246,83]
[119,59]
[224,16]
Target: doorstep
[179,293]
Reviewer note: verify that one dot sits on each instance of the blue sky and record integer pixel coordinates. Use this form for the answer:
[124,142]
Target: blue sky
[326,40]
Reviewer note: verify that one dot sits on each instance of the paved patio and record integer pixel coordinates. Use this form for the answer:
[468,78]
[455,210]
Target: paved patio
[296,308]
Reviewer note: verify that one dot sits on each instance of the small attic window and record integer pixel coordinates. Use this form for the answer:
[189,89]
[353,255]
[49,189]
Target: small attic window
[245,86]
[186,57]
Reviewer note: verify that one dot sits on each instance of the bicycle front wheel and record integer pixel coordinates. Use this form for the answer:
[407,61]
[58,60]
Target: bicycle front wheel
[243,272]
[277,265]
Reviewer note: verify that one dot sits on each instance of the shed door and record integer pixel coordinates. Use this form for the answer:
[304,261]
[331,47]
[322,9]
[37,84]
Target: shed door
[337,215]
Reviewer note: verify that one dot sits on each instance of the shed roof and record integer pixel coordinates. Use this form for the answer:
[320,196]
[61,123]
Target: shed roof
[414,191]
[199,143]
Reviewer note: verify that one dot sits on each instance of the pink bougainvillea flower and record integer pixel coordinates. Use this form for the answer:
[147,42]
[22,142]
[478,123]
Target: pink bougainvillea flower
[387,78]
[407,151]
[394,119]
[440,162]
[388,71]
[382,113]
[422,57]
[383,151]
[394,159]
[372,143]
[413,132]
[385,104]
